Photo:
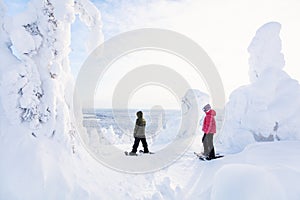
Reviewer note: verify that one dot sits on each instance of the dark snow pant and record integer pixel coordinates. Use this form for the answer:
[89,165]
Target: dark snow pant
[209,149]
[137,142]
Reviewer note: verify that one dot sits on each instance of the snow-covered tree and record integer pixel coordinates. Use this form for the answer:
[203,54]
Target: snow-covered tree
[268,108]
[265,51]
[36,85]
[37,130]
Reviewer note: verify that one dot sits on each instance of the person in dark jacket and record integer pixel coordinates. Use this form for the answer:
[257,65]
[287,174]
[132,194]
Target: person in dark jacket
[209,129]
[139,133]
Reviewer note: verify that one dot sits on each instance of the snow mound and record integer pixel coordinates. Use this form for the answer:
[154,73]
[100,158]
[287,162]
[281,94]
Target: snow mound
[261,171]
[244,181]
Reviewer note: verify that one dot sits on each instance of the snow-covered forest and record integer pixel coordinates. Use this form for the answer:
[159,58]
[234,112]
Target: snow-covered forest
[46,154]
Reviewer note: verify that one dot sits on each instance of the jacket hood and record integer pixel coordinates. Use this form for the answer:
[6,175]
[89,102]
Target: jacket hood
[211,112]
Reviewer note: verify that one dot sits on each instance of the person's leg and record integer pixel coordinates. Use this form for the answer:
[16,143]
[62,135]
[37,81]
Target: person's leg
[203,137]
[135,145]
[212,154]
[145,145]
[211,148]
[205,145]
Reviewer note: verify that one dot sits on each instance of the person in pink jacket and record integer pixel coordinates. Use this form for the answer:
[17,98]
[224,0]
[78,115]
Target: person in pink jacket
[209,129]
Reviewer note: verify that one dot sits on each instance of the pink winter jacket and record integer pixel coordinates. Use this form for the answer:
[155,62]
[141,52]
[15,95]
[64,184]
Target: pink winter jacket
[209,124]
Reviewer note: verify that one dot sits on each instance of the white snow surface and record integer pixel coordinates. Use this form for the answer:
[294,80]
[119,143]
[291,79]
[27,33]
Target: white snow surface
[42,157]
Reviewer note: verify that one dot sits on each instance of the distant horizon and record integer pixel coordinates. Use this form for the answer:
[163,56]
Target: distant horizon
[131,109]
[136,109]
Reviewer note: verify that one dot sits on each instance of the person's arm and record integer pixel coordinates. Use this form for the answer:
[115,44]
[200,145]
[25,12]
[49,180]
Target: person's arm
[135,129]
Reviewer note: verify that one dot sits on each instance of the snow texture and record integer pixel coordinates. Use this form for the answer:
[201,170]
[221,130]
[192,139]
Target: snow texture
[264,171]
[268,108]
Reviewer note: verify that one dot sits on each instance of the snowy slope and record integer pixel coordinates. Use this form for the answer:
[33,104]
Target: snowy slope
[271,166]
[261,171]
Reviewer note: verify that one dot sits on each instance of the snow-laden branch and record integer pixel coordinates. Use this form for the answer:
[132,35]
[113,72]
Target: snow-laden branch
[91,17]
[37,85]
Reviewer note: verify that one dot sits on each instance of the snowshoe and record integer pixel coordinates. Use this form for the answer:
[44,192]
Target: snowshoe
[149,152]
[130,153]
[205,158]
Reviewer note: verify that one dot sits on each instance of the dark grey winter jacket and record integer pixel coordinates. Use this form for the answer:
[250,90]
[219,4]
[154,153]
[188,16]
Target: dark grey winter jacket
[139,129]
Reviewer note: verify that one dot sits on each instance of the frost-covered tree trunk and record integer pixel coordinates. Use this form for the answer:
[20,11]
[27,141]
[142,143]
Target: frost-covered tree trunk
[37,85]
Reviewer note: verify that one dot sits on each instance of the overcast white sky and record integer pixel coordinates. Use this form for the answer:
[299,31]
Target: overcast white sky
[223,28]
